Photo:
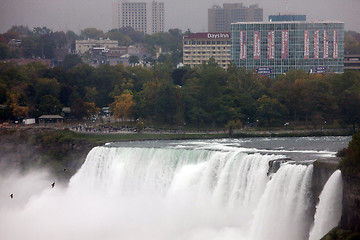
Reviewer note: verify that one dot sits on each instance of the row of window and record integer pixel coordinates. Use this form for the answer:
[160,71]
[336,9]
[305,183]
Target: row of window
[201,61]
[287,26]
[205,42]
[208,57]
[206,47]
[206,53]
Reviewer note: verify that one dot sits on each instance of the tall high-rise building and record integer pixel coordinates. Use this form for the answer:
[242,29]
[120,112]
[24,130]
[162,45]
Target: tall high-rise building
[220,18]
[146,17]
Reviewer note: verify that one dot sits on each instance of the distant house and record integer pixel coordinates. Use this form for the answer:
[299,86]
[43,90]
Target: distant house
[50,119]
[82,46]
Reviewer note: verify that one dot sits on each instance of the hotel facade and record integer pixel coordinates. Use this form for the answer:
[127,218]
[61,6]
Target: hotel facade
[146,17]
[274,48]
[198,48]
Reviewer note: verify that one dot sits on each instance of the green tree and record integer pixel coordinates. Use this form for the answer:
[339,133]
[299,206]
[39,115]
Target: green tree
[270,111]
[29,46]
[45,86]
[352,42]
[49,105]
[22,31]
[5,52]
[233,125]
[78,109]
[165,102]
[117,34]
[71,61]
[91,33]
[349,108]
[350,164]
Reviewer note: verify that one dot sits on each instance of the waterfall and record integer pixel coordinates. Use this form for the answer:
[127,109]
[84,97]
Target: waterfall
[283,209]
[180,193]
[328,211]
[229,188]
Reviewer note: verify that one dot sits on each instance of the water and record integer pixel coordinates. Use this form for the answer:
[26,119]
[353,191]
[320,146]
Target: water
[328,211]
[214,189]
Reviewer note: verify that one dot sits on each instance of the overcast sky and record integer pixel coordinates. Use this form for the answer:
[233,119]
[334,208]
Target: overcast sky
[184,14]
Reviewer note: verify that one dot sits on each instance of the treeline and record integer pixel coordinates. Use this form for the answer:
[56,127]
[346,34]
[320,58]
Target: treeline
[201,96]
[41,42]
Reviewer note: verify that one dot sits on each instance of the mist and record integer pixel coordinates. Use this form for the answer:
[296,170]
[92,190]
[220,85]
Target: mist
[183,192]
[185,14]
[40,212]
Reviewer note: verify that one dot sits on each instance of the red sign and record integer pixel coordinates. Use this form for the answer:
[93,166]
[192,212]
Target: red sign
[326,44]
[243,49]
[306,45]
[271,45]
[285,44]
[336,44]
[316,44]
[257,44]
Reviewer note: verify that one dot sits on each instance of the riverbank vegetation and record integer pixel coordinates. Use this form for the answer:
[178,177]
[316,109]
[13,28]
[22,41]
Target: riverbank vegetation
[350,163]
[201,97]
[197,97]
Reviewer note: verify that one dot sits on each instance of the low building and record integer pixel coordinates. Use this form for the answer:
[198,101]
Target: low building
[50,119]
[82,46]
[14,43]
[123,59]
[198,48]
[117,52]
[352,62]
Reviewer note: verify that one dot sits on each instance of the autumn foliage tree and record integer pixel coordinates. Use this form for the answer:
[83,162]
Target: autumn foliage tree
[91,108]
[17,110]
[122,106]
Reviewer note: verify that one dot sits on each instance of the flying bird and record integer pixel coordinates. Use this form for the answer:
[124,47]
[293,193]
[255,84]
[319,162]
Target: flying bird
[11,195]
[53,185]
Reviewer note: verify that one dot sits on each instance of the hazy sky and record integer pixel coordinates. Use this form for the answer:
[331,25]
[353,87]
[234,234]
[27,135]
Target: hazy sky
[79,14]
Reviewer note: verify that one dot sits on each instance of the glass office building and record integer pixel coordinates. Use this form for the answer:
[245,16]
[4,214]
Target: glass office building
[274,48]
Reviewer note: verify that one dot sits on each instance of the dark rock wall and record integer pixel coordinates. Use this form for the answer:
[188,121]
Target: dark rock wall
[350,219]
[322,171]
[20,150]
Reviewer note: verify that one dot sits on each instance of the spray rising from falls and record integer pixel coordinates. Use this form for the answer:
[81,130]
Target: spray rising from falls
[170,193]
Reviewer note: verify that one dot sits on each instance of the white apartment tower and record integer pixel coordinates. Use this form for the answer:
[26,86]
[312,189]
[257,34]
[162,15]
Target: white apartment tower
[146,17]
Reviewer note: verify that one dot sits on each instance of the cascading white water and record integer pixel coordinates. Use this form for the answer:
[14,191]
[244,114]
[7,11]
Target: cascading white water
[170,193]
[328,211]
[283,209]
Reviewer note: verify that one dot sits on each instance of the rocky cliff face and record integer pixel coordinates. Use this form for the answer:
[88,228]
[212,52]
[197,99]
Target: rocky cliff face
[350,219]
[322,171]
[24,149]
